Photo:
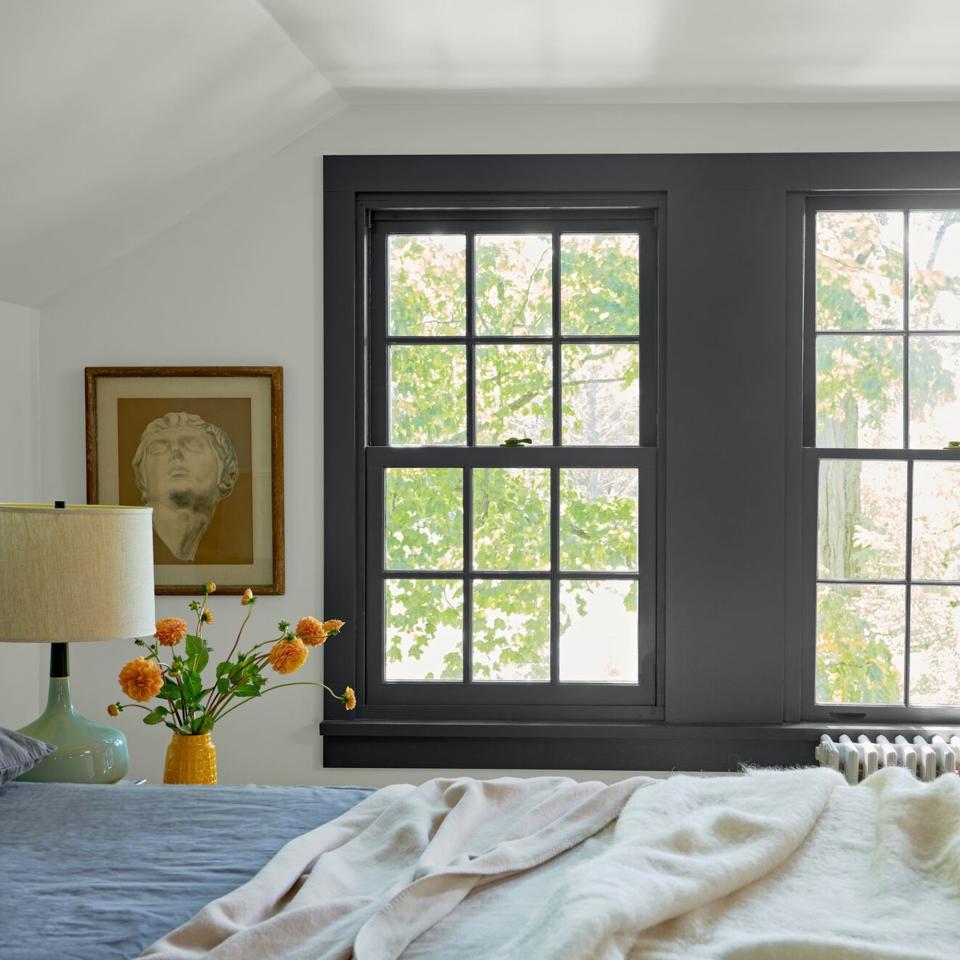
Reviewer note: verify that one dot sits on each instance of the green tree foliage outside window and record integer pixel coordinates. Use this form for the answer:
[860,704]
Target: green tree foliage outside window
[859,403]
[511,507]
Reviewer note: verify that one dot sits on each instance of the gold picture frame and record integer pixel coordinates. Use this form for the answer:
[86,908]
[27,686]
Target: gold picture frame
[204,447]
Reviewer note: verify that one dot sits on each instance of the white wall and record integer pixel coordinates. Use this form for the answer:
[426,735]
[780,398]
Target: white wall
[239,282]
[20,673]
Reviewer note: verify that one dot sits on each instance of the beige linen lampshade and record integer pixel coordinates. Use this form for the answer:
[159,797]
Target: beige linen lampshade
[70,574]
[75,574]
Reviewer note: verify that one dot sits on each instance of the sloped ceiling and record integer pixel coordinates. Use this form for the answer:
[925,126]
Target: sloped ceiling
[119,117]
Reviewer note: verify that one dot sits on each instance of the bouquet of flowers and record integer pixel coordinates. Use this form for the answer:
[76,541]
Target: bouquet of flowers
[191,705]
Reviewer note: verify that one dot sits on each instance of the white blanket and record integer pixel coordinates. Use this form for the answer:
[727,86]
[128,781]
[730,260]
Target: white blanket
[793,865]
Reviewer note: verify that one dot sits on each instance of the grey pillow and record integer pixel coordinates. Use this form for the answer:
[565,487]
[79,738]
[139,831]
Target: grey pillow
[20,753]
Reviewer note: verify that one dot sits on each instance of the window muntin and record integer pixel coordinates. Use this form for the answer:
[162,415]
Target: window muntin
[885,407]
[543,592]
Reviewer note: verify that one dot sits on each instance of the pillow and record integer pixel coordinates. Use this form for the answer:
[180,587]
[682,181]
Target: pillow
[20,753]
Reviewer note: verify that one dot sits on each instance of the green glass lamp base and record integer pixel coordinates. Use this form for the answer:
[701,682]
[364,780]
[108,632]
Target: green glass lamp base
[87,752]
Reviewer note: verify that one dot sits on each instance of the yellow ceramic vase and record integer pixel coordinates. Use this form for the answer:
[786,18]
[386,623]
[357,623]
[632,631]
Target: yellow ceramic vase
[191,760]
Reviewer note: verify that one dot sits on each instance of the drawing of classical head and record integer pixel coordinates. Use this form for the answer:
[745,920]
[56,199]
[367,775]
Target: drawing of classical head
[184,466]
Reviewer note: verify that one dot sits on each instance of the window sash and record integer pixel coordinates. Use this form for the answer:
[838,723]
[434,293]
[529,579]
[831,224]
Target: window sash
[905,712]
[942,200]
[467,692]
[380,340]
[811,455]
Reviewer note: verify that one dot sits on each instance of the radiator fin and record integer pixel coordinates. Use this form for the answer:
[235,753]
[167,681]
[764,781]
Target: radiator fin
[856,760]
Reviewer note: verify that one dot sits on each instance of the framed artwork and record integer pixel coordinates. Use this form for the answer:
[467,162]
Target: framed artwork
[202,446]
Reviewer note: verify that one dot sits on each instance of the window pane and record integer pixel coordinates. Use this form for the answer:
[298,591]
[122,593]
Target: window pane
[862,520]
[935,269]
[428,395]
[511,518]
[514,393]
[423,513]
[935,646]
[511,630]
[598,519]
[934,386]
[514,285]
[427,285]
[601,394]
[860,643]
[859,270]
[936,521]
[860,391]
[600,283]
[424,629]
[598,631]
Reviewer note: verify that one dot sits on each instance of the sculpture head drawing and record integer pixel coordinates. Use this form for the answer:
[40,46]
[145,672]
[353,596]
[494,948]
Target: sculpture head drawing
[183,467]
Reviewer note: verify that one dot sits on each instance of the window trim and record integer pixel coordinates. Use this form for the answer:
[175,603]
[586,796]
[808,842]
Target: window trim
[811,455]
[730,242]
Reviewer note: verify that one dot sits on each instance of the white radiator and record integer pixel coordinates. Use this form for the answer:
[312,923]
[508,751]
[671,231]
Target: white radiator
[926,759]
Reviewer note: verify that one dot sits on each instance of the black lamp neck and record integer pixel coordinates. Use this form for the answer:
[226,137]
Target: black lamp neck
[59,660]
[59,652]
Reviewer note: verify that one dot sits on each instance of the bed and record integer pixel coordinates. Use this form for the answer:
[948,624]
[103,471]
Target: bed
[773,865]
[100,872]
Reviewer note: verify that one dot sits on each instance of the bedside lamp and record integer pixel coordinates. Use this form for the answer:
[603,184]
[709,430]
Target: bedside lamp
[71,574]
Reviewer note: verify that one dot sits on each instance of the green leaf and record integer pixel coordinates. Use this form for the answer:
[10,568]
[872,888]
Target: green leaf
[169,691]
[223,685]
[155,716]
[192,685]
[248,690]
[198,653]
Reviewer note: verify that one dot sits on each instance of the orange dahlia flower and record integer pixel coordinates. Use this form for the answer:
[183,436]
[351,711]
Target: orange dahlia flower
[141,679]
[171,631]
[286,656]
[332,627]
[311,631]
[349,698]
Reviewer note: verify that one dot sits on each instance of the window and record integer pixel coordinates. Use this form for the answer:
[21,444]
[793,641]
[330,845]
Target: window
[510,463]
[882,458]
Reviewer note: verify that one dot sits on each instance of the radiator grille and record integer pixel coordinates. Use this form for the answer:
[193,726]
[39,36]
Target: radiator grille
[857,759]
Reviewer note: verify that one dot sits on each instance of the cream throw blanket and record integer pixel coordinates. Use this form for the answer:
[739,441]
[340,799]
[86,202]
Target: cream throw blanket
[783,865]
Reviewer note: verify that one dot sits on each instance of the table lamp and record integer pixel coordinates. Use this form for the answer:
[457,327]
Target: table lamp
[72,574]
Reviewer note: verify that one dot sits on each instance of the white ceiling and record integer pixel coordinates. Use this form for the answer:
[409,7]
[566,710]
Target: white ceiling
[118,117]
[602,51]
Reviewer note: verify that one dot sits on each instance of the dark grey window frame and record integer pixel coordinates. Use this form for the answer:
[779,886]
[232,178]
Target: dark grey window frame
[466,700]
[730,518]
[900,201]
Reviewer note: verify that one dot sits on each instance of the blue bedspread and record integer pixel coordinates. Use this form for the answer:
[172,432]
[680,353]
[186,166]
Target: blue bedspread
[100,872]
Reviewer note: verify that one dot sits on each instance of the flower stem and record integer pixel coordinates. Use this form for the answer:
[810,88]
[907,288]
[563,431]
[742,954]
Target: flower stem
[222,699]
[280,686]
[240,631]
[203,606]
[213,689]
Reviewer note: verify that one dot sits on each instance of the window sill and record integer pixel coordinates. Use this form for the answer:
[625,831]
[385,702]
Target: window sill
[588,746]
